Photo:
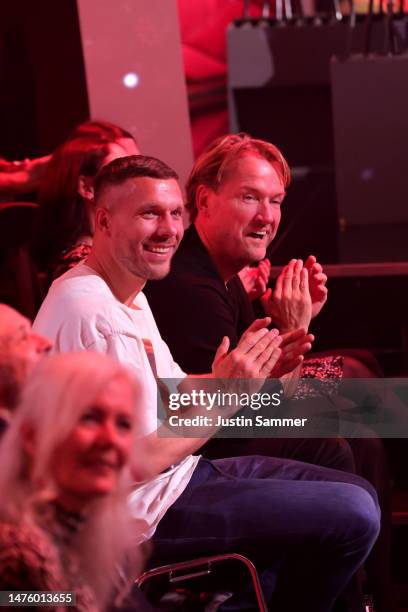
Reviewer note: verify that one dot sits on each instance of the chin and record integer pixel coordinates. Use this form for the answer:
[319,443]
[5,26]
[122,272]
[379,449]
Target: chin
[255,256]
[158,274]
[102,488]
[101,484]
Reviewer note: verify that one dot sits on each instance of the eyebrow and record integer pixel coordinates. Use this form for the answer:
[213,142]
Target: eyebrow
[253,188]
[156,206]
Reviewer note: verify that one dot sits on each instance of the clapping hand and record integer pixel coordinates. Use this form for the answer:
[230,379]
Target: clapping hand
[255,280]
[317,284]
[290,304]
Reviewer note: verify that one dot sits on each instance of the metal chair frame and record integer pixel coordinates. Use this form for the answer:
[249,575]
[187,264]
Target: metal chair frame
[173,569]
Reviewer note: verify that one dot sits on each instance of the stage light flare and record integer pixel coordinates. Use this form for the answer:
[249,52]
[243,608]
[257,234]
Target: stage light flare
[131,80]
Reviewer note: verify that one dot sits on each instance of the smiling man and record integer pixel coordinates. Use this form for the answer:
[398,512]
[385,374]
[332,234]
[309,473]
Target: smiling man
[235,194]
[238,218]
[99,305]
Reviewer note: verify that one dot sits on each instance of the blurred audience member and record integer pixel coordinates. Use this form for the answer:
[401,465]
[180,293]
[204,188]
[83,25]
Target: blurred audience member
[64,520]
[66,218]
[19,178]
[20,349]
[103,130]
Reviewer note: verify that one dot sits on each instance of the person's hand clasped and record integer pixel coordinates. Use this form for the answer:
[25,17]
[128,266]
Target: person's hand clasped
[290,304]
[255,280]
[254,357]
[317,284]
[293,347]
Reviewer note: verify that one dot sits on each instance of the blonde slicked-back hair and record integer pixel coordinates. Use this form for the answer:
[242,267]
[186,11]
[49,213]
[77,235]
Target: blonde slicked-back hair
[210,168]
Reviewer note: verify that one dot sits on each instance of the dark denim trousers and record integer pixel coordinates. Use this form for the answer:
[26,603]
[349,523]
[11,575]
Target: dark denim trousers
[309,527]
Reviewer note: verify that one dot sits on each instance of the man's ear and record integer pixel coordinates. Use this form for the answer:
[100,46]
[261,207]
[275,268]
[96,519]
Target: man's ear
[27,434]
[202,199]
[102,219]
[85,187]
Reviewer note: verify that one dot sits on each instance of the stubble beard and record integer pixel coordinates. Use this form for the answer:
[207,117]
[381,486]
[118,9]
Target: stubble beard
[145,271]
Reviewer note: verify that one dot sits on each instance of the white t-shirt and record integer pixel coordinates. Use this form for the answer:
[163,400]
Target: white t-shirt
[81,313]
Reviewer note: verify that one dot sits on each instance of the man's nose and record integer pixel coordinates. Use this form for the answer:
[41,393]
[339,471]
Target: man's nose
[168,226]
[265,212]
[108,434]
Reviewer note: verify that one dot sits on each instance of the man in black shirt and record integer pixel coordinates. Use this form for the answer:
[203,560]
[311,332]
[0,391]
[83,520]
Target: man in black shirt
[234,195]
[235,215]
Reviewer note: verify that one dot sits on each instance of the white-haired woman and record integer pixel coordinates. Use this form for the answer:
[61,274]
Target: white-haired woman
[64,521]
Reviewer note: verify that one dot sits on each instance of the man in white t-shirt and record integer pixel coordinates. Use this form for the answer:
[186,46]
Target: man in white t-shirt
[278,512]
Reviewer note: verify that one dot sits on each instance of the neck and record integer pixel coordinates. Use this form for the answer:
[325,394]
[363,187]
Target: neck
[70,509]
[225,267]
[124,285]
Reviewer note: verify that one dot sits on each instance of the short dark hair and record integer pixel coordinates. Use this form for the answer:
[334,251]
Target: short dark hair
[135,166]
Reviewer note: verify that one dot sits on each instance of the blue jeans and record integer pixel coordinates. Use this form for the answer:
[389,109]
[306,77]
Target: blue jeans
[308,526]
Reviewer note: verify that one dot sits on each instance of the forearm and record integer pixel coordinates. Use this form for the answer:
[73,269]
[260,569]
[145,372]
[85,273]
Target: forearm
[189,424]
[13,183]
[158,451]
[21,178]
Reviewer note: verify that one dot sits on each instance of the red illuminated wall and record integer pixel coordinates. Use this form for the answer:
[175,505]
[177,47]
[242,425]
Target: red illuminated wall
[203,32]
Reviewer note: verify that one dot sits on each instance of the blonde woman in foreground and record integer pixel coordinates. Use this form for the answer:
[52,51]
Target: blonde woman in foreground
[64,521]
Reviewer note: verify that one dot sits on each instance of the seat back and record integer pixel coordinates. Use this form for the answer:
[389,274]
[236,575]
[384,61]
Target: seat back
[19,283]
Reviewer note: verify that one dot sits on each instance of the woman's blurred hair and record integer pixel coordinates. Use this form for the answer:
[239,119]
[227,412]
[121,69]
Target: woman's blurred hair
[99,129]
[62,216]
